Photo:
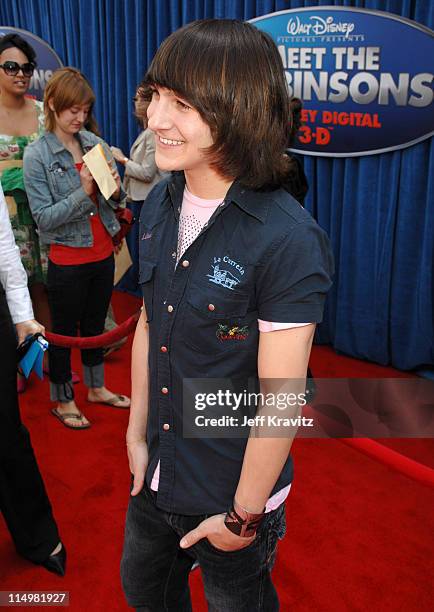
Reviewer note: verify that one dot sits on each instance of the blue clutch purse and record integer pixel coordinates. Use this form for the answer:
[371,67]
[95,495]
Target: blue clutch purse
[31,354]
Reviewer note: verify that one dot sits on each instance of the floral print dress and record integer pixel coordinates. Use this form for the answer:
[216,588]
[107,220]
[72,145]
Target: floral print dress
[33,255]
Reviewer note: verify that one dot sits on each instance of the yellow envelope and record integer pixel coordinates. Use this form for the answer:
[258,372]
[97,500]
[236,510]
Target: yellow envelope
[123,261]
[96,161]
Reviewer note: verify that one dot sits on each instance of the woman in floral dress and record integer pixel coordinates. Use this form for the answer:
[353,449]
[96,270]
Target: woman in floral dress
[21,122]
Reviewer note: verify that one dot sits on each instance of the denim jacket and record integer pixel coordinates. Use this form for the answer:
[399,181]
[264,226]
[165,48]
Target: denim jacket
[60,206]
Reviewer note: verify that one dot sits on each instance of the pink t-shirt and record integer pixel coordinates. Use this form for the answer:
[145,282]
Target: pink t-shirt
[195,212]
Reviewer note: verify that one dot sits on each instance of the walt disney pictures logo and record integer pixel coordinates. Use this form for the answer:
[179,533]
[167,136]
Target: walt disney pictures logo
[319,26]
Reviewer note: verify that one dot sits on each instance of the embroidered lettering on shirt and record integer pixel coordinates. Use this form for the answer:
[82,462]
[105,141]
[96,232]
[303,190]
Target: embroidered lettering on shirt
[223,276]
[225,333]
[147,235]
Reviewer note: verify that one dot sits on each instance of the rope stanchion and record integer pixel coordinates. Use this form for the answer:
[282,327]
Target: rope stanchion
[410,468]
[91,342]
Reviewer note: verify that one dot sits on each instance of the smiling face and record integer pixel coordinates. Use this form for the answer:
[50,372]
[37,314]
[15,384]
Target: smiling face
[71,120]
[181,135]
[15,85]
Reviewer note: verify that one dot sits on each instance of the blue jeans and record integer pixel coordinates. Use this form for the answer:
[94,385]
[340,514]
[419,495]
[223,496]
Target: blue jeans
[155,570]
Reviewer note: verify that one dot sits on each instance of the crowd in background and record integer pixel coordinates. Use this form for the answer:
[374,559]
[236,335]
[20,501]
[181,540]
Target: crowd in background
[56,265]
[57,231]
[51,197]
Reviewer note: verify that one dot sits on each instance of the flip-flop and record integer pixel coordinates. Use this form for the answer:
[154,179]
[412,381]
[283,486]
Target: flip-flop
[113,402]
[70,415]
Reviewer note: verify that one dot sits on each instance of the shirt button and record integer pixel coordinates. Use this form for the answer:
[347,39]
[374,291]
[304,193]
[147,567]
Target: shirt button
[170,308]
[164,390]
[163,349]
[211,307]
[185,263]
[166,426]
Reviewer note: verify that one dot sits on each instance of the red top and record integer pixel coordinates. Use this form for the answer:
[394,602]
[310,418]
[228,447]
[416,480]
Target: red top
[102,243]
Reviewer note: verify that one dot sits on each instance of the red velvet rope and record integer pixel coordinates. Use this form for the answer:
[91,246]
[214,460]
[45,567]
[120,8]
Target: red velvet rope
[387,456]
[89,342]
[383,454]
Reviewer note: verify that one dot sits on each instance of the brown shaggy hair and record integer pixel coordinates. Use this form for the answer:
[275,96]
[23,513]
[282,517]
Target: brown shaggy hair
[232,74]
[68,87]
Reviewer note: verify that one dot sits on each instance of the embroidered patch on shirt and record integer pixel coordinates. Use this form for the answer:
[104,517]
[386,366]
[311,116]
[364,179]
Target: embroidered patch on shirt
[225,333]
[224,276]
[147,235]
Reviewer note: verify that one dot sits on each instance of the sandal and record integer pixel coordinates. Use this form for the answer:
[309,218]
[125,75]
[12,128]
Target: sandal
[71,415]
[115,401]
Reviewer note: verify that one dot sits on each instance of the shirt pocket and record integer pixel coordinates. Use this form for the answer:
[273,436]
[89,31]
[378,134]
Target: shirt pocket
[146,282]
[60,179]
[219,321]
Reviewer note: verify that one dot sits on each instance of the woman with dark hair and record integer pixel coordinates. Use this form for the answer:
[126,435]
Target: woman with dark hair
[78,223]
[23,499]
[21,122]
[141,174]
[234,274]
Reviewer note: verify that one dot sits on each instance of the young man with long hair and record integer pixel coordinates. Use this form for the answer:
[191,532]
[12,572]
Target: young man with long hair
[234,274]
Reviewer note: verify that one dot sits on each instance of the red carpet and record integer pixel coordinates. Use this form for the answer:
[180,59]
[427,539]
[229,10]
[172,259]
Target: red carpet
[359,534]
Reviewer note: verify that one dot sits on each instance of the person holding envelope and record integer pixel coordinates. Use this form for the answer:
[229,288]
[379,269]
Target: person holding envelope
[141,175]
[76,218]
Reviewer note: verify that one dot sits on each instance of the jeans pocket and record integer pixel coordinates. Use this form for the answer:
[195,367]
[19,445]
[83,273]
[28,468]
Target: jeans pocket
[245,550]
[276,531]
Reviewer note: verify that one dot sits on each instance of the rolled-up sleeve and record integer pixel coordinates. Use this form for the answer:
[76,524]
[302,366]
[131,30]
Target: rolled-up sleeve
[295,276]
[13,277]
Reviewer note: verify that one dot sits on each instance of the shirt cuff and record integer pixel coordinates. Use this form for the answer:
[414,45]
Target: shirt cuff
[20,305]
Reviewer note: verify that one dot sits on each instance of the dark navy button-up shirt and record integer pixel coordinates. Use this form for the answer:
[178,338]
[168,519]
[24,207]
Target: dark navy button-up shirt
[260,256]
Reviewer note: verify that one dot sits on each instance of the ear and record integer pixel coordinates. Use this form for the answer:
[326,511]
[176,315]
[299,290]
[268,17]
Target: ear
[51,105]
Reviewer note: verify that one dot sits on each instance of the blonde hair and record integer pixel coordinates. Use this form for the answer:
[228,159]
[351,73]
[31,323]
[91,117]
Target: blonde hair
[68,87]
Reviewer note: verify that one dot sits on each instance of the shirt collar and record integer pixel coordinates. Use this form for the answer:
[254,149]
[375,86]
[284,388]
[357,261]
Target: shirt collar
[251,202]
[56,146]
[176,191]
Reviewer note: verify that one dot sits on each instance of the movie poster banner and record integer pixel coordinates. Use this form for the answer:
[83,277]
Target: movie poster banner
[365,78]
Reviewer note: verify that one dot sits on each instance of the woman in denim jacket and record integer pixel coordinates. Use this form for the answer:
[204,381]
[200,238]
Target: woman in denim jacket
[78,223]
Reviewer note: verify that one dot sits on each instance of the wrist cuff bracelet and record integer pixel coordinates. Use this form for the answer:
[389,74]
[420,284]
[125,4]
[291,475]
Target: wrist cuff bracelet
[241,522]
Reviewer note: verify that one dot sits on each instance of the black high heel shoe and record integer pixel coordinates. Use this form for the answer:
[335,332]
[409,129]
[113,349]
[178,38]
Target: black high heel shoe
[56,563]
